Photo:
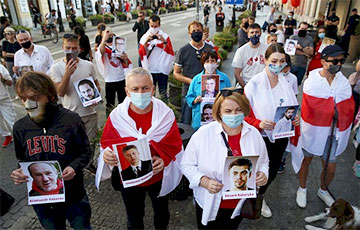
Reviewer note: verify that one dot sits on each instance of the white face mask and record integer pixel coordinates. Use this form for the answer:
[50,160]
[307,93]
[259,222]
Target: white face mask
[36,110]
[210,67]
[154,30]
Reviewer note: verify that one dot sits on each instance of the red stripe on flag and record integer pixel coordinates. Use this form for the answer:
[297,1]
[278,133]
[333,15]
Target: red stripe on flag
[346,109]
[317,111]
[142,52]
[168,48]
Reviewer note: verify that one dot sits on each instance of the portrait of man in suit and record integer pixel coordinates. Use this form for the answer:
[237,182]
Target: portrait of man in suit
[210,86]
[137,168]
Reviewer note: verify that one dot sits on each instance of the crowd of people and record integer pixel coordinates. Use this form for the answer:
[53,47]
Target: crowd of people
[59,127]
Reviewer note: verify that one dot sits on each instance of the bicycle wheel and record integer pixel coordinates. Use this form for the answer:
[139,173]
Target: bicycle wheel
[54,36]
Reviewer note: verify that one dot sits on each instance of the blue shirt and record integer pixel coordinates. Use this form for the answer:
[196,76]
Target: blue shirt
[195,90]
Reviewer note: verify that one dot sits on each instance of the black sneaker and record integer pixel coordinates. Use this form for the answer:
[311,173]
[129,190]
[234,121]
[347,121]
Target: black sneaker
[281,168]
[91,169]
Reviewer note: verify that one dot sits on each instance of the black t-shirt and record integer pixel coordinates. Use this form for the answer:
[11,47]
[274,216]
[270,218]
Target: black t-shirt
[220,17]
[85,45]
[290,31]
[10,48]
[189,59]
[98,39]
[353,22]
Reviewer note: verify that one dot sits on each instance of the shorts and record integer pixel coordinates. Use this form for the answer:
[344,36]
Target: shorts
[332,158]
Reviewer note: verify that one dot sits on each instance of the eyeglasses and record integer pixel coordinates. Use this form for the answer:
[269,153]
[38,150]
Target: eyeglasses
[336,61]
[73,36]
[229,92]
[21,32]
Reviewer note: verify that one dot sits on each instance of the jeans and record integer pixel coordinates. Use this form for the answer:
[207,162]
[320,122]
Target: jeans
[222,220]
[134,200]
[299,72]
[54,215]
[186,112]
[161,80]
[111,89]
[275,152]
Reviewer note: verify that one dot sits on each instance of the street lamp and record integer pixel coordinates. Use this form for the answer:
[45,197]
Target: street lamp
[197,10]
[61,26]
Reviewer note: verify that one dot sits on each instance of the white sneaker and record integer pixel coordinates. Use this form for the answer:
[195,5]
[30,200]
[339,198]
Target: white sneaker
[326,197]
[265,210]
[301,198]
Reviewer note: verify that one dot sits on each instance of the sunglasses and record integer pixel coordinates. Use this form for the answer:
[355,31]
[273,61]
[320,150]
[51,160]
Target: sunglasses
[336,61]
[229,92]
[73,36]
[21,32]
[198,54]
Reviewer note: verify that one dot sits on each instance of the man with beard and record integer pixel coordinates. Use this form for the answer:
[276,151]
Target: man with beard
[50,131]
[37,56]
[285,123]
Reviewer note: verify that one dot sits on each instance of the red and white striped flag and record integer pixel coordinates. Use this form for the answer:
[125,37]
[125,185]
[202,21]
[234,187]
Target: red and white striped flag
[163,136]
[161,57]
[318,109]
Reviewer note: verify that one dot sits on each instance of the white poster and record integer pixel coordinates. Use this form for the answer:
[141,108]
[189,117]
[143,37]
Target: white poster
[239,177]
[284,118]
[87,91]
[290,46]
[206,108]
[45,183]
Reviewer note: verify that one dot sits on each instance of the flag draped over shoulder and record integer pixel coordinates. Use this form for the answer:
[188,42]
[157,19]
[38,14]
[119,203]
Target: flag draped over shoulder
[163,136]
[114,61]
[318,108]
[157,55]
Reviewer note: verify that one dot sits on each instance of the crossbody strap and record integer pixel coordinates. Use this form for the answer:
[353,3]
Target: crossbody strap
[229,153]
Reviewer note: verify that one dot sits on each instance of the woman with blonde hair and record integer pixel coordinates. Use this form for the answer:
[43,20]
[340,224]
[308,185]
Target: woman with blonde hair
[10,46]
[204,159]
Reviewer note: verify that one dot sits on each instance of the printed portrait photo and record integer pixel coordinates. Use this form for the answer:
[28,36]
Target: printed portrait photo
[87,91]
[206,108]
[290,46]
[326,42]
[239,177]
[284,118]
[119,46]
[45,181]
[209,85]
[135,162]
[24,69]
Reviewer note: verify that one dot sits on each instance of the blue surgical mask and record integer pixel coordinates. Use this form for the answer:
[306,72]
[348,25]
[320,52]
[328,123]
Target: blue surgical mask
[276,69]
[233,121]
[140,100]
[255,39]
[321,35]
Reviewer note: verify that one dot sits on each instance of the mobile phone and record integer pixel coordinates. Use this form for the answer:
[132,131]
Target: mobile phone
[206,30]
[68,57]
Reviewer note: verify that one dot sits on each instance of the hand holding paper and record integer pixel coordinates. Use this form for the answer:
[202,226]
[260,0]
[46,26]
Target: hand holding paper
[110,158]
[261,179]
[158,164]
[18,176]
[68,173]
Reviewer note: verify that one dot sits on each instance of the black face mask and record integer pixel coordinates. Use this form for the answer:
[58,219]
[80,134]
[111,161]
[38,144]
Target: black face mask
[109,40]
[246,25]
[196,36]
[302,33]
[273,31]
[26,45]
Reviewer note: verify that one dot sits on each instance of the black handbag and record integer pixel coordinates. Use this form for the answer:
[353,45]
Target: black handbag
[251,208]
[6,201]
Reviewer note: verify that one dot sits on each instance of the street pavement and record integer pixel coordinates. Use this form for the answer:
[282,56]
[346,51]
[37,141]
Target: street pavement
[108,211]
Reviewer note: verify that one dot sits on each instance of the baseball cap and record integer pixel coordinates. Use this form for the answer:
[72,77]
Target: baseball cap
[331,51]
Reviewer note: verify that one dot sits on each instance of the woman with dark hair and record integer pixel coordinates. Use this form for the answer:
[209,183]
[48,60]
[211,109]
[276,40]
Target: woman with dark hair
[85,48]
[316,58]
[203,162]
[209,61]
[272,28]
[266,91]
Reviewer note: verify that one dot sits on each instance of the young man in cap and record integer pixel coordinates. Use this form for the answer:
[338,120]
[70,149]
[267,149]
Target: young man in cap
[327,112]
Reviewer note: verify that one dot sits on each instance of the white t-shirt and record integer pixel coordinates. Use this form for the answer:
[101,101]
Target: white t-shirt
[279,98]
[4,93]
[291,78]
[113,70]
[280,36]
[270,17]
[71,99]
[250,60]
